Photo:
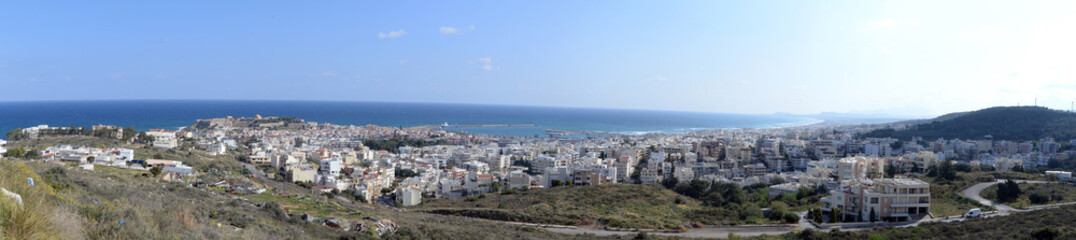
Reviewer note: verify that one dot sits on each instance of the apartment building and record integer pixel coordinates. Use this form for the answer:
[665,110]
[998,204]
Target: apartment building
[889,199]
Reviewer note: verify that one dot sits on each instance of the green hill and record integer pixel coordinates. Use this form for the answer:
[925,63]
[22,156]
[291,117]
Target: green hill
[614,205]
[1000,123]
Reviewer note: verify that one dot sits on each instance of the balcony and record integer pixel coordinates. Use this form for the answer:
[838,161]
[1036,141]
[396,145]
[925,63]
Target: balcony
[896,214]
[909,204]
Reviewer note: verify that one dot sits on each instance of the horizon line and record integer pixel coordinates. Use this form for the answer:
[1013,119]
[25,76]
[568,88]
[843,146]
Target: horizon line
[479,104]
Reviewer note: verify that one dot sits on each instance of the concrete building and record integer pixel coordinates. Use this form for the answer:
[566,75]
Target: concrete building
[684,174]
[305,174]
[1061,175]
[519,180]
[163,138]
[331,166]
[410,196]
[889,199]
[860,167]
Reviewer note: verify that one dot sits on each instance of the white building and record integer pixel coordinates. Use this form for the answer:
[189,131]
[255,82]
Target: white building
[1061,175]
[163,138]
[331,166]
[684,174]
[410,196]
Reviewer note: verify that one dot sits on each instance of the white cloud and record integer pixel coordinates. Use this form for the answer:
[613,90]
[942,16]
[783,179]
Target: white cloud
[454,30]
[117,75]
[449,30]
[403,61]
[487,63]
[391,34]
[328,74]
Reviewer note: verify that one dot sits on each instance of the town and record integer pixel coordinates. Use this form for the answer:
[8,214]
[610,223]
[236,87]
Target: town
[863,179]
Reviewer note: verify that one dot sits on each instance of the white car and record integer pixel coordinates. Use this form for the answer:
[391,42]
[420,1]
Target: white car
[973,213]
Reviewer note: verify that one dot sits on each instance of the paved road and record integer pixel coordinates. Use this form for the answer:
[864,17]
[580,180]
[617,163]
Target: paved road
[723,231]
[974,193]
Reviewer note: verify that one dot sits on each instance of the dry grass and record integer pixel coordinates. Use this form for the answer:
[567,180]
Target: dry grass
[36,217]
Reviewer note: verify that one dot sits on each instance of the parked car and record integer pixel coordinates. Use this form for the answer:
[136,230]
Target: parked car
[973,213]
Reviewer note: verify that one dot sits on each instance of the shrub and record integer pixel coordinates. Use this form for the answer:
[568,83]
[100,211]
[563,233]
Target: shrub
[791,218]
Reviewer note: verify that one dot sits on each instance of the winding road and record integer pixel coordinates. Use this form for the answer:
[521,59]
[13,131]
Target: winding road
[974,193]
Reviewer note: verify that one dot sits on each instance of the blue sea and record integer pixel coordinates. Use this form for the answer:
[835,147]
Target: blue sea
[174,114]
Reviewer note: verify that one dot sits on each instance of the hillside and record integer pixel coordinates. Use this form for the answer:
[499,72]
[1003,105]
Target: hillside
[117,203]
[1001,123]
[1043,224]
[615,205]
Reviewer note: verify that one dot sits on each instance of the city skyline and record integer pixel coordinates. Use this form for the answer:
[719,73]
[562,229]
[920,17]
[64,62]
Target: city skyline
[899,58]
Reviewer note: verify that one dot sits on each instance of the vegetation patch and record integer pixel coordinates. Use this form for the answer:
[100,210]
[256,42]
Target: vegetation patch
[1031,194]
[614,205]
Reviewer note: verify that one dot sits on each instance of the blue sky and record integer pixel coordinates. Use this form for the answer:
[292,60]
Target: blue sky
[895,57]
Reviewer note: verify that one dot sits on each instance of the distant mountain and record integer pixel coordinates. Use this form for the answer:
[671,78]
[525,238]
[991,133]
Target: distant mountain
[999,123]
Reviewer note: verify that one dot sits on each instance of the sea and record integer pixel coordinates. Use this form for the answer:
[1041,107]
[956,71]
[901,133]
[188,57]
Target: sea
[175,114]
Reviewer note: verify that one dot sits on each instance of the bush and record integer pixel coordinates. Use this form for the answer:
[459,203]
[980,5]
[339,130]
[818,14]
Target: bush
[791,218]
[1044,233]
[1038,198]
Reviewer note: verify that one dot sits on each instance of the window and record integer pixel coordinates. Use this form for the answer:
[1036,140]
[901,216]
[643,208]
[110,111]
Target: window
[874,200]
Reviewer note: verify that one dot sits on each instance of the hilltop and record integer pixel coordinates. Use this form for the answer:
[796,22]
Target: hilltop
[1000,123]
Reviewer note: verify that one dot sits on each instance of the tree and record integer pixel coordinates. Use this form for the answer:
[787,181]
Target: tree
[874,216]
[890,171]
[695,188]
[16,134]
[129,133]
[777,180]
[947,172]
[777,210]
[1045,233]
[669,182]
[837,215]
[932,170]
[1008,191]
[1014,189]
[1053,163]
[32,154]
[1038,198]
[16,152]
[90,159]
[144,138]
[155,171]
